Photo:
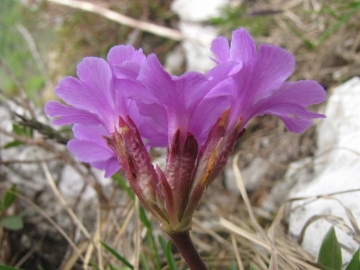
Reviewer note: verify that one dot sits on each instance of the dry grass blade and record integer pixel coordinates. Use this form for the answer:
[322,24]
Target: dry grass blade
[349,214]
[241,186]
[31,251]
[341,224]
[117,17]
[239,231]
[123,227]
[336,221]
[273,261]
[137,235]
[236,252]
[244,195]
[52,222]
[62,200]
[97,241]
[74,257]
[198,226]
[255,239]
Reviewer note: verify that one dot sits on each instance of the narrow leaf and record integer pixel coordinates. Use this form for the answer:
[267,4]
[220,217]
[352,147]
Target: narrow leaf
[355,261]
[5,267]
[252,267]
[144,262]
[151,239]
[92,264]
[162,242]
[19,130]
[144,219]
[12,222]
[330,251]
[12,144]
[124,186]
[9,198]
[170,257]
[111,267]
[117,255]
[233,265]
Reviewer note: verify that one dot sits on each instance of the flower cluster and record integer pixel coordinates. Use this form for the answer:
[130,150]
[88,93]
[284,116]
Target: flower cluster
[122,107]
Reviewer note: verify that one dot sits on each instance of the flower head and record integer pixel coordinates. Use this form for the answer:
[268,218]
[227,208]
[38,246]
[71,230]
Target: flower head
[259,87]
[121,105]
[94,105]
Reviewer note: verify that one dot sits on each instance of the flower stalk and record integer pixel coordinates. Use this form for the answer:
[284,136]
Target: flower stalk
[183,242]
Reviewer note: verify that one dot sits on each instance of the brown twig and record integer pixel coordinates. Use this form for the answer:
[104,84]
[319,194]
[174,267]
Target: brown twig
[117,17]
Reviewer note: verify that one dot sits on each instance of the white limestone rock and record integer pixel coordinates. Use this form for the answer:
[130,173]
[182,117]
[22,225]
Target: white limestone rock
[197,45]
[197,10]
[71,183]
[198,36]
[298,172]
[337,169]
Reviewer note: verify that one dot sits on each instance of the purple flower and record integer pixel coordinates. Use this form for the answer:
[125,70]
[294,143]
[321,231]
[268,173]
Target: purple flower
[174,103]
[120,106]
[259,87]
[94,105]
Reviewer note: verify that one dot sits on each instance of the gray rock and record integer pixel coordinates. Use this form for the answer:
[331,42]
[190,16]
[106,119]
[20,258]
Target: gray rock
[336,169]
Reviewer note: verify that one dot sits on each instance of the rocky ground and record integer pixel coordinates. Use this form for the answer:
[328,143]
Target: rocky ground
[67,206]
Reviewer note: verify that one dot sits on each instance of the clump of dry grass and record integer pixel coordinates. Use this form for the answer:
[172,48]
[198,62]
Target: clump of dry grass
[225,228]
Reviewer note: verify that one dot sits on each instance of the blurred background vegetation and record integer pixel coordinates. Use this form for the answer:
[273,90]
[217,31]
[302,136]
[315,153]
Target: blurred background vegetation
[41,42]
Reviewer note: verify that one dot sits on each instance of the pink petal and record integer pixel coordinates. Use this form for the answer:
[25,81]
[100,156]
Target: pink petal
[88,151]
[69,115]
[134,90]
[243,47]
[205,116]
[273,66]
[192,88]
[304,92]
[122,53]
[91,133]
[110,166]
[295,125]
[92,91]
[158,82]
[220,48]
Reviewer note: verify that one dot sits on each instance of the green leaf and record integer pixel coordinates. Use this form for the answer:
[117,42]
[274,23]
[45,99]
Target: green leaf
[111,267]
[13,144]
[124,186]
[162,242]
[94,265]
[34,83]
[144,219]
[355,261]
[117,255]
[166,247]
[335,26]
[9,198]
[252,267]
[19,130]
[151,239]
[5,267]
[170,257]
[330,251]
[233,264]
[12,222]
[144,262]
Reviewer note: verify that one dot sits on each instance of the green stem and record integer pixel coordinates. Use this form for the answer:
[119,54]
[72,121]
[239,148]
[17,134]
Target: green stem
[183,242]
